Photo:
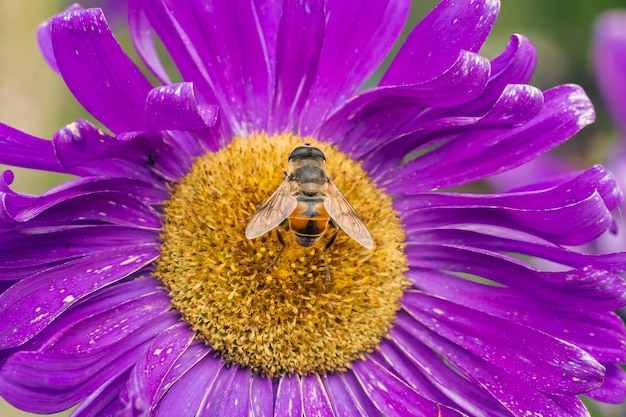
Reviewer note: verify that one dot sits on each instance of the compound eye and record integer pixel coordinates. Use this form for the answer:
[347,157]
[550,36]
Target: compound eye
[307,152]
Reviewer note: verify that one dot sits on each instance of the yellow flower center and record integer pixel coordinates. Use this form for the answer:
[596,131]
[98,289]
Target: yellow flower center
[289,318]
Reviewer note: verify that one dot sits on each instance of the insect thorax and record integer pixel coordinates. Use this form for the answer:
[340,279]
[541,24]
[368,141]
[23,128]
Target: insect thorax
[309,173]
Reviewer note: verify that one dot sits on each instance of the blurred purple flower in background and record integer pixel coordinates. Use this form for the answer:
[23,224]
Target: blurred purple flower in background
[609,64]
[131,289]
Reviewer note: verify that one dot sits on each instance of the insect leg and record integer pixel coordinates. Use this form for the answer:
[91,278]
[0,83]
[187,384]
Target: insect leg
[280,252]
[328,245]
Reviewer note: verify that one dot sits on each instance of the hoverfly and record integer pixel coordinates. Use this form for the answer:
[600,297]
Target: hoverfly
[308,201]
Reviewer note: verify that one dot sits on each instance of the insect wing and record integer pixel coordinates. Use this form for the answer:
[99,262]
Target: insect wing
[346,218]
[272,213]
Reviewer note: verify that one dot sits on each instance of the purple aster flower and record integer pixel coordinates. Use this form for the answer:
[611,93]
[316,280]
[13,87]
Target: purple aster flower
[132,289]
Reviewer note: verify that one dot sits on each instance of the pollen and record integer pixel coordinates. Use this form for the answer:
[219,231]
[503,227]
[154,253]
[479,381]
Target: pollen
[279,314]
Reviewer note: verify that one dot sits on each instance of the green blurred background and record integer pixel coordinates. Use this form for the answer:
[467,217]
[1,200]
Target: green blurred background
[34,99]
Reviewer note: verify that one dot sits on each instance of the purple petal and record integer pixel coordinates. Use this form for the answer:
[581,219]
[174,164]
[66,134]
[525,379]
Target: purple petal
[229,394]
[44,40]
[51,381]
[609,62]
[613,390]
[537,171]
[358,37]
[502,239]
[269,14]
[83,150]
[571,406]
[555,193]
[143,40]
[602,334]
[114,408]
[392,396]
[467,395]
[106,207]
[96,70]
[83,147]
[392,359]
[185,397]
[340,398]
[114,9]
[549,364]
[565,111]
[89,353]
[33,303]
[81,142]
[592,285]
[103,207]
[164,155]
[23,150]
[516,396]
[189,358]
[105,330]
[22,379]
[237,402]
[142,298]
[573,212]
[289,397]
[176,107]
[42,246]
[515,65]
[614,240]
[379,115]
[104,400]
[516,105]
[587,287]
[226,60]
[358,393]
[146,378]
[23,208]
[178,40]
[437,39]
[300,39]
[315,401]
[551,224]
[261,397]
[196,142]
[130,295]
[236,395]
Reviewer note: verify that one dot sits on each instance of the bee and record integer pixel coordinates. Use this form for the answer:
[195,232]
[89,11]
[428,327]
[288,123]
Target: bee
[307,202]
